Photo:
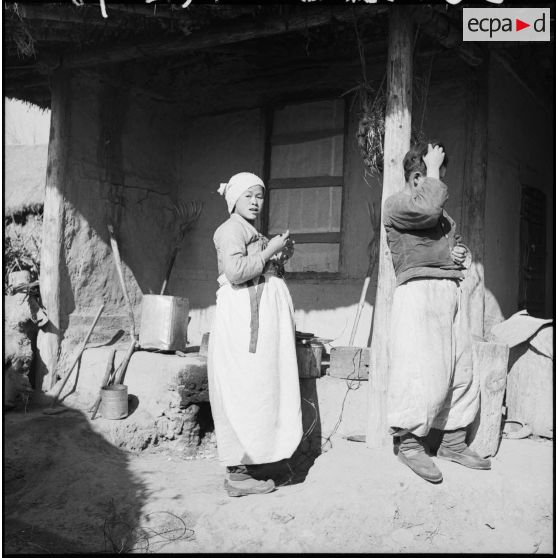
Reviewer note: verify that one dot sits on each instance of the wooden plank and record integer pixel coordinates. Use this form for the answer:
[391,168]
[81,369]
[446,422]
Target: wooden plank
[490,364]
[53,263]
[350,363]
[474,193]
[90,15]
[305,182]
[529,390]
[438,26]
[396,144]
[303,137]
[317,238]
[227,32]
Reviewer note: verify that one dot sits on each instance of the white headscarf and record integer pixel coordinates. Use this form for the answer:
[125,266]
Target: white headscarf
[237,185]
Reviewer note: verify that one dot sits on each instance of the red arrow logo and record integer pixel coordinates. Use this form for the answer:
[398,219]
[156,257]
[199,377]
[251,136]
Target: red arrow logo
[519,25]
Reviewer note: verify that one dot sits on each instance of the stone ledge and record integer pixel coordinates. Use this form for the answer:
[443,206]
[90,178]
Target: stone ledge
[170,389]
[165,393]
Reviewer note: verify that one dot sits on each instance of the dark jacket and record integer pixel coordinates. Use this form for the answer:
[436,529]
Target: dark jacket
[420,233]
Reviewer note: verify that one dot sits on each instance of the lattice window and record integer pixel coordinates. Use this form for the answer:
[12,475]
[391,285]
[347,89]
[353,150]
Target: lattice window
[306,182]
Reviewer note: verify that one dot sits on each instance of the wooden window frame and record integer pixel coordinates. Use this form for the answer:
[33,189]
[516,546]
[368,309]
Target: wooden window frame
[306,182]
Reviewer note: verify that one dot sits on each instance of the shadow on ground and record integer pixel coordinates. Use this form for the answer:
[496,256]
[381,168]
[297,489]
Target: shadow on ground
[66,489]
[295,469]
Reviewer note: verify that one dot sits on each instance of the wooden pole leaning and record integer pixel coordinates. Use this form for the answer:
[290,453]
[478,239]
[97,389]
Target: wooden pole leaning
[396,144]
[119,375]
[118,262]
[78,356]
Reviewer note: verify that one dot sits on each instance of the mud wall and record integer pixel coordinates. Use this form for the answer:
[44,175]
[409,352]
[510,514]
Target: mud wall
[520,152]
[130,156]
[214,147]
[121,167]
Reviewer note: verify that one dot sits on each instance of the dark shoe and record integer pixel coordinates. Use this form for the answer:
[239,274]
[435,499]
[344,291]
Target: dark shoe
[248,486]
[412,453]
[454,448]
[466,457]
[422,465]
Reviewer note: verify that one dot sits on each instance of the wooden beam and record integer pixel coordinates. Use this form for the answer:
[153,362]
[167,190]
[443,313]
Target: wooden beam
[317,238]
[438,26]
[57,13]
[396,144]
[171,11]
[218,34]
[474,192]
[52,247]
[302,137]
[305,182]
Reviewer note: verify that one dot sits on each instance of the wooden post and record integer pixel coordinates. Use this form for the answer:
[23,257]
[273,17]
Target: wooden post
[52,248]
[490,363]
[474,192]
[396,144]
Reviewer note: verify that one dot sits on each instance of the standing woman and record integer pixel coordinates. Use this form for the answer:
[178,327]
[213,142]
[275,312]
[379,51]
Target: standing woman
[253,375]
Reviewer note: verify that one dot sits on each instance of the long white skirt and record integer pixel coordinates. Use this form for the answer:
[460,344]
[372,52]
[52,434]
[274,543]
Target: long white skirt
[254,396]
[432,383]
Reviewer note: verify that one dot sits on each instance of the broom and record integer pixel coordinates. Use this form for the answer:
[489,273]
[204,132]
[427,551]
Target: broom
[187,213]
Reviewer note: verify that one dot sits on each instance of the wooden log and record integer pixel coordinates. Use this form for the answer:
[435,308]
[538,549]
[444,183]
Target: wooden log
[474,193]
[105,382]
[490,362]
[119,376]
[52,246]
[396,144]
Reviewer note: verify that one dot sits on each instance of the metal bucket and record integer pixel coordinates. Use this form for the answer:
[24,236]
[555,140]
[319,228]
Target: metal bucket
[309,357]
[114,401]
[164,322]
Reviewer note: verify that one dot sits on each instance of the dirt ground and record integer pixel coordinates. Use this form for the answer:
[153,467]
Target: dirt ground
[68,489]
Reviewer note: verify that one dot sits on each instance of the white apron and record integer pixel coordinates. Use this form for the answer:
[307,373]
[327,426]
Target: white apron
[254,396]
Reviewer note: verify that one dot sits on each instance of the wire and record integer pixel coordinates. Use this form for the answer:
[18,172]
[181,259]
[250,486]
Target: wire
[306,456]
[122,537]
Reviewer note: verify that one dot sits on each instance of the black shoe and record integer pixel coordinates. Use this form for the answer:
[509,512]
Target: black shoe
[466,457]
